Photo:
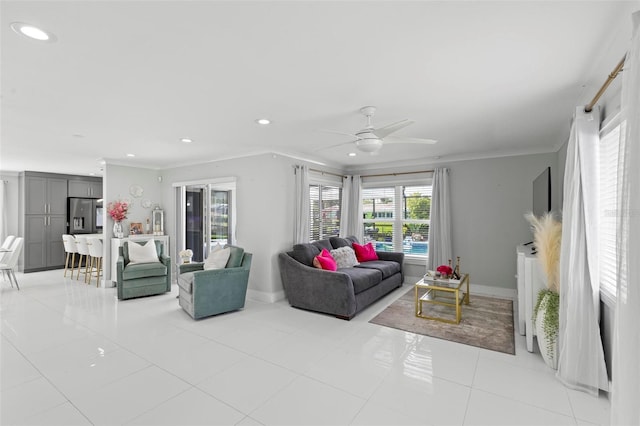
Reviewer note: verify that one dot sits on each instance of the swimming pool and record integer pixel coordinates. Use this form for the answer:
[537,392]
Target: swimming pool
[420,248]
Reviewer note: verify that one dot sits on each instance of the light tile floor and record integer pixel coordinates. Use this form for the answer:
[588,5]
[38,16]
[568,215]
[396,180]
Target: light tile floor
[72,354]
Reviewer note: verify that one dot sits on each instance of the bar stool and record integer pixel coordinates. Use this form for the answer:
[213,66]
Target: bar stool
[95,251]
[83,251]
[71,249]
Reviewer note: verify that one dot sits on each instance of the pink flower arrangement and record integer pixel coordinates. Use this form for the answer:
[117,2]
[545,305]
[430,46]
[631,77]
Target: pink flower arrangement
[445,270]
[118,210]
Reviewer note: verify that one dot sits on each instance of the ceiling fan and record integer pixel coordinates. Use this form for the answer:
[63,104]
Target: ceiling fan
[372,139]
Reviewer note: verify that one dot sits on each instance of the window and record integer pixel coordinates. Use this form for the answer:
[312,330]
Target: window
[205,215]
[607,228]
[396,218]
[324,211]
[220,224]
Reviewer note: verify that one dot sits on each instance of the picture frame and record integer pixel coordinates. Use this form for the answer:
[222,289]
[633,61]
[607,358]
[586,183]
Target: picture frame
[135,228]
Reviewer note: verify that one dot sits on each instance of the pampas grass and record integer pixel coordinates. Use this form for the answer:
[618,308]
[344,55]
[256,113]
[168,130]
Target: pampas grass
[547,236]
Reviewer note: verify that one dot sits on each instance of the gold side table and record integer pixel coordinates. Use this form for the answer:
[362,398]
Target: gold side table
[442,292]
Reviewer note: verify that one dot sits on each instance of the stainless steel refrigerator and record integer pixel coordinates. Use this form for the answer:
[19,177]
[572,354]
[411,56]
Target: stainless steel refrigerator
[84,216]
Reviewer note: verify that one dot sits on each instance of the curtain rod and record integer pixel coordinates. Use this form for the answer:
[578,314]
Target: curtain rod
[612,76]
[378,175]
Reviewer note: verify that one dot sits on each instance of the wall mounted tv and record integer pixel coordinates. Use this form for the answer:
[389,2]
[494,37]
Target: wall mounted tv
[542,193]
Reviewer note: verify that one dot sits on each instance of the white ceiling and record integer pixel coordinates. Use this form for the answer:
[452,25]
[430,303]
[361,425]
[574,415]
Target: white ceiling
[483,78]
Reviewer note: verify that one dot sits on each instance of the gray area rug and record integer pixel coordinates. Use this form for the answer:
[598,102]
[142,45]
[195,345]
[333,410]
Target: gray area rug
[486,322]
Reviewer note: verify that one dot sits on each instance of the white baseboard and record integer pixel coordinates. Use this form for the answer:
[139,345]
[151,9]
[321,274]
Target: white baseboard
[266,297]
[491,291]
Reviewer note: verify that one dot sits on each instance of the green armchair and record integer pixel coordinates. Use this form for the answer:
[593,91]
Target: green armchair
[142,279]
[215,291]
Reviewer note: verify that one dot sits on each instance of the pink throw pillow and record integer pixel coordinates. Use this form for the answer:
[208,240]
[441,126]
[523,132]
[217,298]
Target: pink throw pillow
[366,252]
[325,261]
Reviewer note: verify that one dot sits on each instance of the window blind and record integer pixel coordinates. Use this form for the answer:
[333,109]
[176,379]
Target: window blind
[607,258]
[396,218]
[324,211]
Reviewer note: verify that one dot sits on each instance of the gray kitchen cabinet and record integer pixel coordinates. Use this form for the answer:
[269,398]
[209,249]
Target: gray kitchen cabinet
[43,247]
[44,220]
[45,195]
[85,188]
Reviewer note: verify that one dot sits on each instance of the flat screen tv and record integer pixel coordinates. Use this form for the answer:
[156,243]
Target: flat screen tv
[542,193]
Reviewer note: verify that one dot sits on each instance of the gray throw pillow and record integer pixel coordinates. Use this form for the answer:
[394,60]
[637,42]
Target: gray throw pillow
[345,257]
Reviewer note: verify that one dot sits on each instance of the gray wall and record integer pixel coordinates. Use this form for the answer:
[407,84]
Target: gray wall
[489,200]
[264,188]
[117,183]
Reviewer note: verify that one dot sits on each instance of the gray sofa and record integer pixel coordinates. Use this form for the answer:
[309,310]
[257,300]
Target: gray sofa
[342,293]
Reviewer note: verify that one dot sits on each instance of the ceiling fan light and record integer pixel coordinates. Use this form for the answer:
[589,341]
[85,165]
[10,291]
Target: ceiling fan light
[369,145]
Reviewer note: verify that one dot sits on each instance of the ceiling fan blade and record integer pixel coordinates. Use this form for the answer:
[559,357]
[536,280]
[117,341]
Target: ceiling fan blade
[394,127]
[397,139]
[334,146]
[338,133]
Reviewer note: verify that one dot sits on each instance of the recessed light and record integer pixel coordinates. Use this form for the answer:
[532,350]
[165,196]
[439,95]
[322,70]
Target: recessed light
[32,32]
[186,140]
[263,121]
[131,155]
[352,154]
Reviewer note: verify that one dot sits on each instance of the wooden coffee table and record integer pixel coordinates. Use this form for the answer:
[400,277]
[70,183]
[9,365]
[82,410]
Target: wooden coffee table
[447,292]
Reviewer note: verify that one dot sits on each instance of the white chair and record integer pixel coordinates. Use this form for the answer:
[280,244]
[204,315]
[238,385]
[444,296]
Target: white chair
[71,249]
[11,262]
[95,250]
[6,250]
[83,251]
[8,241]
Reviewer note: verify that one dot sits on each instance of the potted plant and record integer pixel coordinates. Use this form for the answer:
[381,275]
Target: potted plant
[118,212]
[547,237]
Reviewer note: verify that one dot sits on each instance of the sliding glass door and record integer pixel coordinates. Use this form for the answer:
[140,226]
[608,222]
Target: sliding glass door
[206,216]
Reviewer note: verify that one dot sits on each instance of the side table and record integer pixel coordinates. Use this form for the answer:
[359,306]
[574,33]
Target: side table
[447,292]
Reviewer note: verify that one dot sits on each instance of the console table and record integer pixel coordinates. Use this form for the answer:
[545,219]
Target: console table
[530,281]
[117,242]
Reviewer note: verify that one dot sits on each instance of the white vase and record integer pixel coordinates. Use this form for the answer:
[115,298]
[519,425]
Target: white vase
[117,230]
[549,353]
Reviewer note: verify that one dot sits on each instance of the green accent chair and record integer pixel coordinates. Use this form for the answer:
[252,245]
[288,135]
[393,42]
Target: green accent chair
[215,291]
[142,279]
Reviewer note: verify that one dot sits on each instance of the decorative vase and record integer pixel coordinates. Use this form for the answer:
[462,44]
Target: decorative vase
[186,259]
[117,230]
[548,344]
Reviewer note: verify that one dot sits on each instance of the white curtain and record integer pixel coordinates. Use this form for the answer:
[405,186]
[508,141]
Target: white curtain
[625,395]
[581,357]
[3,211]
[351,209]
[301,209]
[440,251]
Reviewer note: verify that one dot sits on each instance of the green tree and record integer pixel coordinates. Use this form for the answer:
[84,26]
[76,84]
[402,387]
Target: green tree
[418,206]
